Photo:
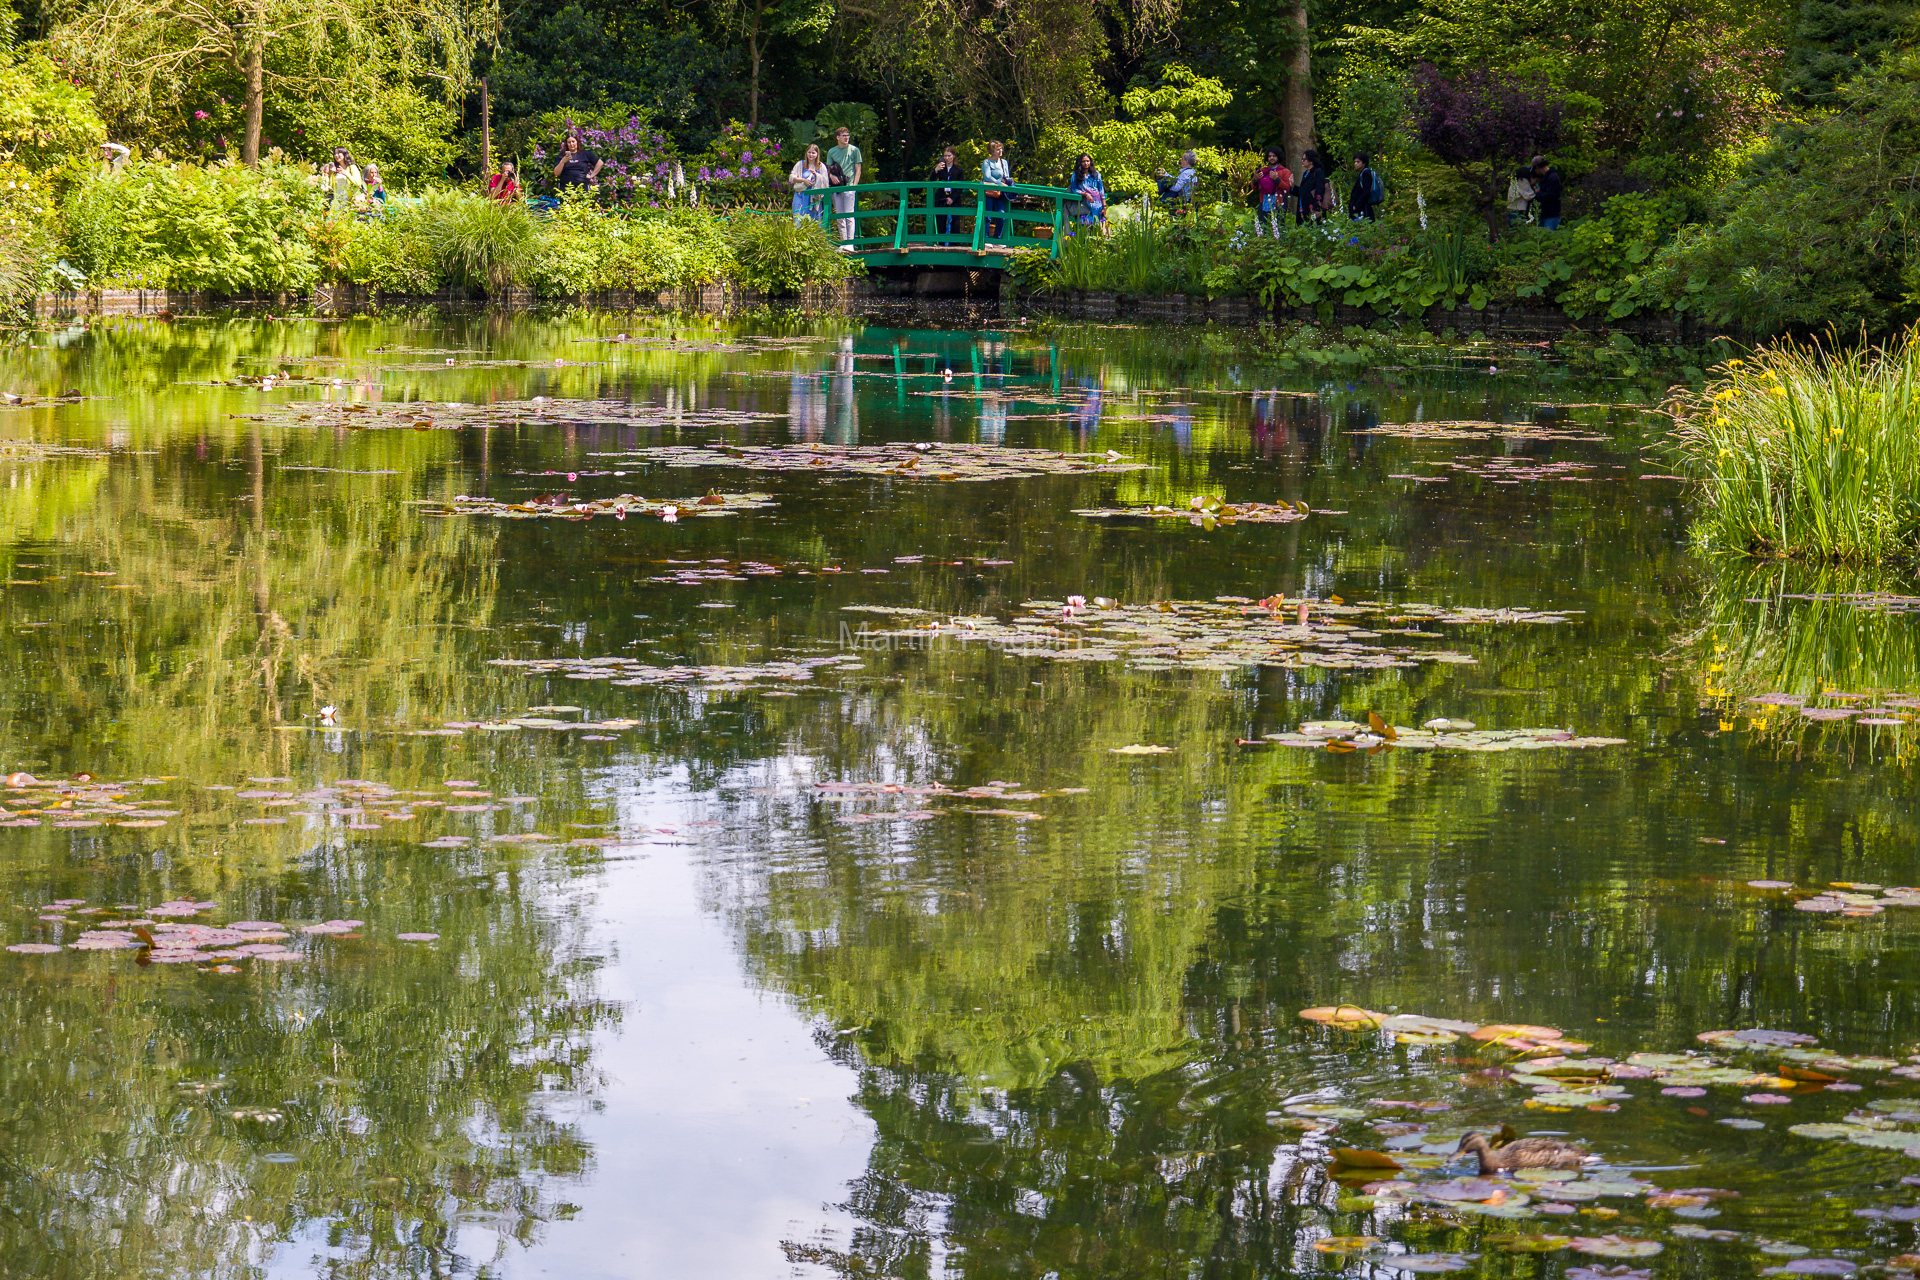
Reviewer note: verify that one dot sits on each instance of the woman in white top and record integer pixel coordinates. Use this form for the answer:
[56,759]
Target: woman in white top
[347,182]
[809,174]
[994,169]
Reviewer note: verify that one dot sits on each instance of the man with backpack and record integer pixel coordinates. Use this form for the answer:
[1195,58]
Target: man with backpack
[1368,192]
[844,163]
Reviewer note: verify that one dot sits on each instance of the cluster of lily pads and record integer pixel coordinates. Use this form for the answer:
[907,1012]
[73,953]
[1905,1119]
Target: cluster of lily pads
[1469,430]
[922,461]
[1412,1166]
[1207,511]
[1853,898]
[1508,470]
[1433,735]
[434,415]
[1225,634]
[563,507]
[1890,712]
[631,672]
[995,791]
[165,934]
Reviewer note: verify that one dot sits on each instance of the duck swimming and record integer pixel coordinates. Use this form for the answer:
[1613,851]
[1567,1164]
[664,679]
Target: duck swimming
[1526,1153]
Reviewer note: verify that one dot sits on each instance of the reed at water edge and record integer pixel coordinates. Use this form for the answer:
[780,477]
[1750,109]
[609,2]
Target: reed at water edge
[1808,452]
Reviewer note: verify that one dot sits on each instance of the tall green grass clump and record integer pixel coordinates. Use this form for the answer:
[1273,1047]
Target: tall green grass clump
[1809,453]
[476,240]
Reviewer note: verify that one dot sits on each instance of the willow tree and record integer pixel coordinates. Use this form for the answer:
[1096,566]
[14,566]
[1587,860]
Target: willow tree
[140,48]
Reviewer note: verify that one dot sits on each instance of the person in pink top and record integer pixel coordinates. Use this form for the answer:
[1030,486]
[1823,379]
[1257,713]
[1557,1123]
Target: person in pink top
[1271,183]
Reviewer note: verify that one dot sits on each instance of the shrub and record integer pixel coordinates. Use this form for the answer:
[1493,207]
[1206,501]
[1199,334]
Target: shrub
[743,166]
[1818,229]
[777,255]
[583,250]
[1809,453]
[220,227]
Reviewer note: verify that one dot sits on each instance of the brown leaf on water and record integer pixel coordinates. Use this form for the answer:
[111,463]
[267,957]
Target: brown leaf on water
[1341,748]
[1357,1158]
[1809,1077]
[1381,727]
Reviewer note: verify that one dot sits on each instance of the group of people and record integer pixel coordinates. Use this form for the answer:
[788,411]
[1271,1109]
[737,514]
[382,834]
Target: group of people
[813,172]
[351,189]
[1535,191]
[1312,196]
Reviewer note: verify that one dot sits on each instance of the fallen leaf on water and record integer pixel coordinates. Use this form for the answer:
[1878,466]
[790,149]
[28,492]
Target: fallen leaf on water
[1611,1246]
[1136,749]
[1345,1244]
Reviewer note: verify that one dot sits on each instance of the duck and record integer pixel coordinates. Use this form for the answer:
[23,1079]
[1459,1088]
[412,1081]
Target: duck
[1526,1153]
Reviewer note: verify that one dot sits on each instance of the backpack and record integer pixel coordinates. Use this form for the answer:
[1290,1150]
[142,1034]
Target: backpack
[835,174]
[1329,199]
[1376,189]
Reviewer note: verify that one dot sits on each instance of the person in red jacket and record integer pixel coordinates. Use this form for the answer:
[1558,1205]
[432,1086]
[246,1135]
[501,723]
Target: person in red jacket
[503,186]
[1271,183]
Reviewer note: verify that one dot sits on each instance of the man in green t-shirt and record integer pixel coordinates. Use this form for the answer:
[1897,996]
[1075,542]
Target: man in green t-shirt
[847,156]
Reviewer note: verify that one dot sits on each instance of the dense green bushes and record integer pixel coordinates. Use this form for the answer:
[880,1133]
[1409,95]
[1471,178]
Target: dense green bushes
[228,229]
[221,228]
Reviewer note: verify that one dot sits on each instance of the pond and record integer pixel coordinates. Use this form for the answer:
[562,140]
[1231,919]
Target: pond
[593,795]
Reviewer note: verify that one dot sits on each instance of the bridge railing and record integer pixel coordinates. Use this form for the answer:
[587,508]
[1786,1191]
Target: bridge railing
[905,216]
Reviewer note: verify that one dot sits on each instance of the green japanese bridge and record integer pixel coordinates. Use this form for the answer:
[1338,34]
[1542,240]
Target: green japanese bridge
[898,224]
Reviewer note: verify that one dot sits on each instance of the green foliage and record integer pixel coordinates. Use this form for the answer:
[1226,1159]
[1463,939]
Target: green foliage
[559,58]
[1157,124]
[1606,258]
[1817,229]
[531,137]
[221,227]
[44,119]
[1835,40]
[1809,453]
[395,125]
[584,250]
[860,120]
[780,256]
[28,219]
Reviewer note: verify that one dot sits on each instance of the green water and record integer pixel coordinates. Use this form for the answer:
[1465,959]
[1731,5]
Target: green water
[684,1018]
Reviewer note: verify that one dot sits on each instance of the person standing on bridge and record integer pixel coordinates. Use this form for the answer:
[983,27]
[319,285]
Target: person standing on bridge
[808,175]
[1090,193]
[847,160]
[995,172]
[948,170]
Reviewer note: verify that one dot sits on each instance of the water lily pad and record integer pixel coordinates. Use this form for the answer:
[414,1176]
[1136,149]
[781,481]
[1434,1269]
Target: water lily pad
[1612,1246]
[1622,1272]
[1737,1122]
[1816,1267]
[1428,1263]
[1529,1242]
[1705,1233]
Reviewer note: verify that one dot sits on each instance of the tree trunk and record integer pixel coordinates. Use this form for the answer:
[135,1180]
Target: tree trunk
[1296,112]
[256,96]
[753,60]
[486,131]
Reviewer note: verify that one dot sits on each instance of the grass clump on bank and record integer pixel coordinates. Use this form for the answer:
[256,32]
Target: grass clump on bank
[1809,453]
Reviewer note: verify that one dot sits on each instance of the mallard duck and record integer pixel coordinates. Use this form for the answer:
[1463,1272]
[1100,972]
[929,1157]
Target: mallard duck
[1525,1153]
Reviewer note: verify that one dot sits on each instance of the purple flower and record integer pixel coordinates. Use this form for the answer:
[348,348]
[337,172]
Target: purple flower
[756,171]
[746,157]
[199,115]
[706,174]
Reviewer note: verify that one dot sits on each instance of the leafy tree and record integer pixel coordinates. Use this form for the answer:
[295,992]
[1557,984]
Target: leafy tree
[135,52]
[572,57]
[1637,62]
[1483,125]
[1776,257]
[1835,40]
[1156,124]
[760,22]
[45,120]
